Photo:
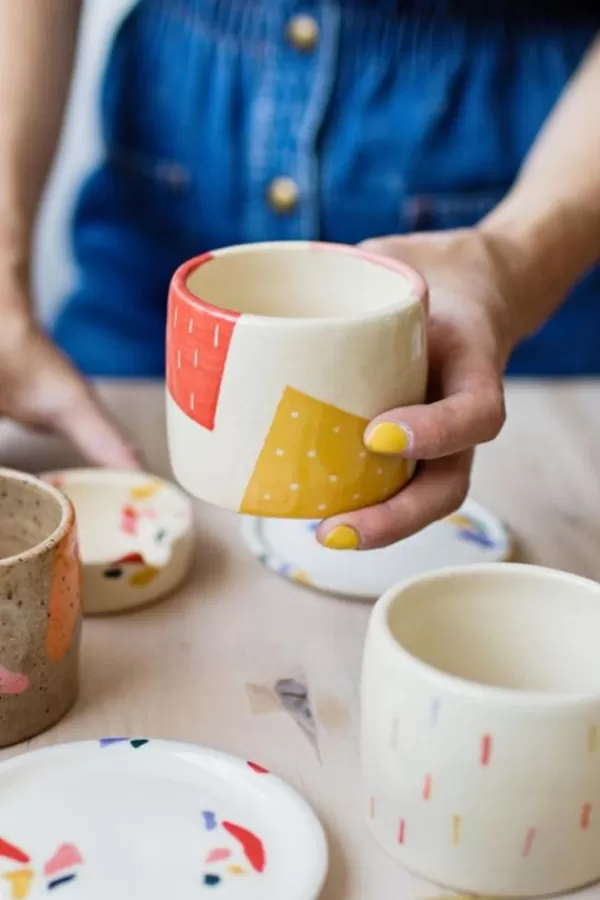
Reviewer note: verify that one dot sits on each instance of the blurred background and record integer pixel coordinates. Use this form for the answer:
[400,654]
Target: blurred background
[79,148]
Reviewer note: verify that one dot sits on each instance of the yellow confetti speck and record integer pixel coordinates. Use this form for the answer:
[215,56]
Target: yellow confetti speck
[143,576]
[145,491]
[236,870]
[302,578]
[20,883]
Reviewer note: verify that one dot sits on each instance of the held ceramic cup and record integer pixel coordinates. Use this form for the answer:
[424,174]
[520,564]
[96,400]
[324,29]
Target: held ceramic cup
[278,355]
[40,606]
[481,729]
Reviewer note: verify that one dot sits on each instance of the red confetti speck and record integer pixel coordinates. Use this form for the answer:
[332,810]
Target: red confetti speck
[251,845]
[260,770]
[9,851]
[129,559]
[129,519]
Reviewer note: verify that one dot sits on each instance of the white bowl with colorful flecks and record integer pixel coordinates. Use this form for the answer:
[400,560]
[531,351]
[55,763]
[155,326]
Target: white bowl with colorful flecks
[135,535]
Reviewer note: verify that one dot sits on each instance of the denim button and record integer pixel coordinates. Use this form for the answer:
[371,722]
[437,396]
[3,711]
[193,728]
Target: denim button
[303,32]
[283,194]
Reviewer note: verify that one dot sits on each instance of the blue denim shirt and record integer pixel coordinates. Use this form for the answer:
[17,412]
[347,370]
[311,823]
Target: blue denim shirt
[393,120]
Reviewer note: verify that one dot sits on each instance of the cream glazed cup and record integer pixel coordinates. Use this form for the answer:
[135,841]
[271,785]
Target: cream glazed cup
[480,729]
[278,356]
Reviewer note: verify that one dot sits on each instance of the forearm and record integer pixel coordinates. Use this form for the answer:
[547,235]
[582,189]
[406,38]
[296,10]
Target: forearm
[37,47]
[550,221]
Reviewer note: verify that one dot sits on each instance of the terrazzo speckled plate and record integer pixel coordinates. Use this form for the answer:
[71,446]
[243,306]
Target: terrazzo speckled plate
[289,548]
[148,820]
[135,536]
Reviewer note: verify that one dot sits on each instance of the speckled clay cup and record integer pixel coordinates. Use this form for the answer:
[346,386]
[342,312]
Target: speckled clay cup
[40,606]
[278,355]
[481,729]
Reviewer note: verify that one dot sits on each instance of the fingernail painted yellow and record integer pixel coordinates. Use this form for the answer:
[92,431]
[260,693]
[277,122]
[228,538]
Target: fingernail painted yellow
[388,438]
[342,537]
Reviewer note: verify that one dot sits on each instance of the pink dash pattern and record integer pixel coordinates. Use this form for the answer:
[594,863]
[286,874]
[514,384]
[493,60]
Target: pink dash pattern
[372,807]
[401,831]
[486,750]
[427,787]
[586,816]
[528,842]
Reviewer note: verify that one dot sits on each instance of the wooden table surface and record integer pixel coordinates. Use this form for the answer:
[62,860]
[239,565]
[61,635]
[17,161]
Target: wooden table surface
[200,666]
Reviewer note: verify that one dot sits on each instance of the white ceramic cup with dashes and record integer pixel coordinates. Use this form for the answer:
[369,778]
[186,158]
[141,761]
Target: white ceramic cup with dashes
[481,729]
[278,356]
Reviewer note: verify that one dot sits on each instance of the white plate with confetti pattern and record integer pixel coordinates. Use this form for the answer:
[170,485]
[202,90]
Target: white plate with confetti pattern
[149,820]
[289,548]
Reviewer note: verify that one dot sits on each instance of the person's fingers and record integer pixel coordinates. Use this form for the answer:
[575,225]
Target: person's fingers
[61,400]
[472,416]
[439,489]
[94,434]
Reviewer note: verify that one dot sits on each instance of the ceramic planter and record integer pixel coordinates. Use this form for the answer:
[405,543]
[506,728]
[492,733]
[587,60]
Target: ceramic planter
[481,729]
[278,355]
[40,606]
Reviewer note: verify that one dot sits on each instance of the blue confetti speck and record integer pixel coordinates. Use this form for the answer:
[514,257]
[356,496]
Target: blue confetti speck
[210,820]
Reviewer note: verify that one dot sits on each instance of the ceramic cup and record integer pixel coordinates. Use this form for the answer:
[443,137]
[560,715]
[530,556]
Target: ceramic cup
[278,355]
[481,729]
[40,606]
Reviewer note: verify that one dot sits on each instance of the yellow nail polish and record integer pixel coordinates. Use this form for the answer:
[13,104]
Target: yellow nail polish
[342,537]
[388,438]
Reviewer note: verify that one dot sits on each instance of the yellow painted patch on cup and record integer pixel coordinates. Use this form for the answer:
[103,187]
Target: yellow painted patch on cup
[313,464]
[388,438]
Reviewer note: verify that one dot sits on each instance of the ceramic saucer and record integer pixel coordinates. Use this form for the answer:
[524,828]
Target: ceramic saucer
[135,535]
[148,820]
[289,548]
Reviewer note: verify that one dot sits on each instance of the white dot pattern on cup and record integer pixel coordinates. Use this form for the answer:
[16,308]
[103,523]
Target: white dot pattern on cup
[314,458]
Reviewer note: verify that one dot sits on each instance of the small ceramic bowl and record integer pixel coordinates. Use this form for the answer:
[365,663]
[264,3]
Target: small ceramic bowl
[481,729]
[135,533]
